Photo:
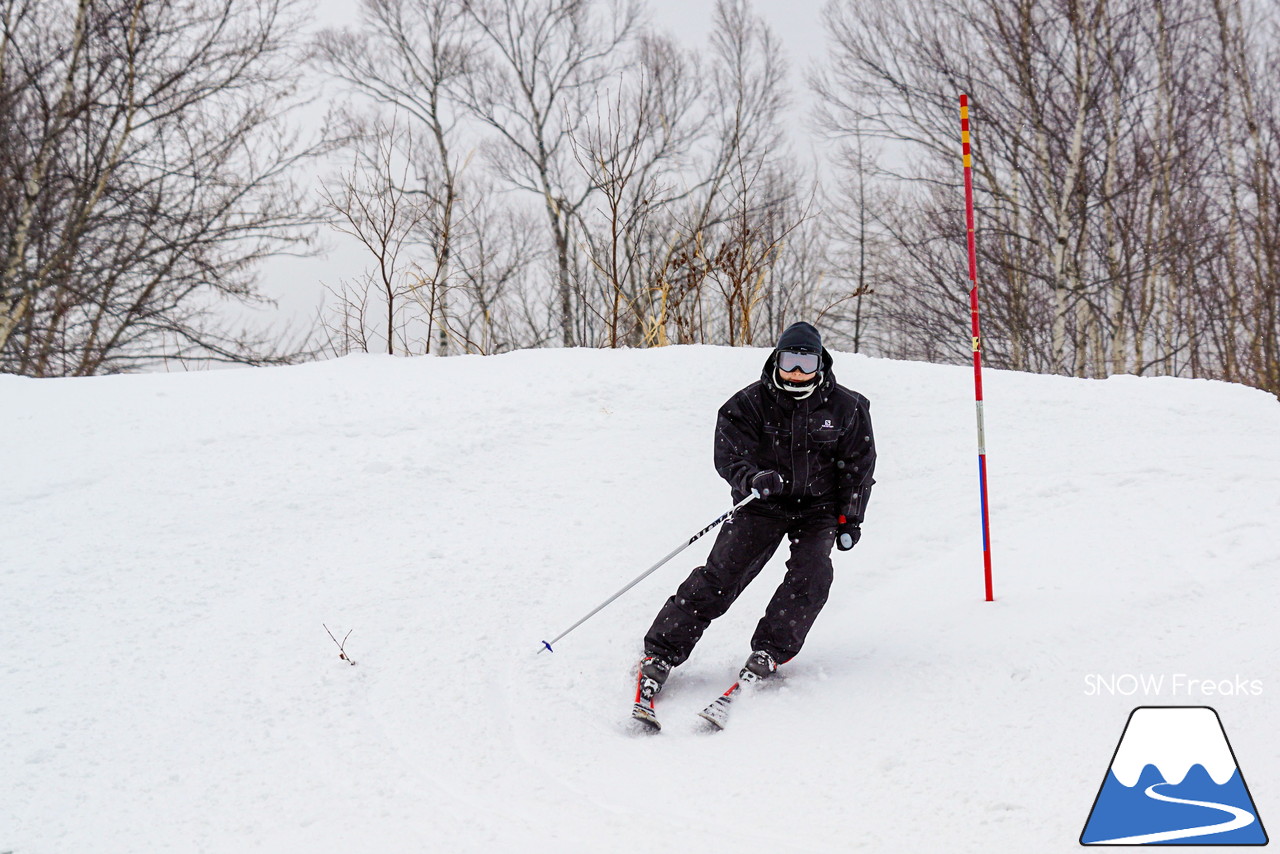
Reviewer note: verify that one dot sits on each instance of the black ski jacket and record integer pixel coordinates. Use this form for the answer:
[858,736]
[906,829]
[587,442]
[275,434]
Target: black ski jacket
[822,445]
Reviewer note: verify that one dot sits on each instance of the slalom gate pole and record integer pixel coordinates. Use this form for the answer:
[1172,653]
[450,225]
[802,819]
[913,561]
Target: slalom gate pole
[977,339]
[546,645]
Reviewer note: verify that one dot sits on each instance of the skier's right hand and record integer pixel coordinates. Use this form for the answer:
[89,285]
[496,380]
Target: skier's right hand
[767,483]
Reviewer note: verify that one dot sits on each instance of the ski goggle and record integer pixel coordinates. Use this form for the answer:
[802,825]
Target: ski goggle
[806,362]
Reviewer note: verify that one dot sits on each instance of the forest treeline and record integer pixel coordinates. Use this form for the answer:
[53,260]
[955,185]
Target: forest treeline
[528,173]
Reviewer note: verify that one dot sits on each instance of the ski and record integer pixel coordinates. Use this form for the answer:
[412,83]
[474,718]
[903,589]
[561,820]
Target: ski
[643,711]
[717,714]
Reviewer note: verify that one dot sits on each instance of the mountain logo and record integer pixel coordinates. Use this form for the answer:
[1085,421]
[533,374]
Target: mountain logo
[1173,780]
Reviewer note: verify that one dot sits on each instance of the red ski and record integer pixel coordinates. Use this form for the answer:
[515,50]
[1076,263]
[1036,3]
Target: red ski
[717,714]
[643,708]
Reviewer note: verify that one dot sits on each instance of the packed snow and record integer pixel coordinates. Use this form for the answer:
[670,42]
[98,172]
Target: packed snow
[176,545]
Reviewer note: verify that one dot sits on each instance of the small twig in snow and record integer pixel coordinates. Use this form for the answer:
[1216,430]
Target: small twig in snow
[342,647]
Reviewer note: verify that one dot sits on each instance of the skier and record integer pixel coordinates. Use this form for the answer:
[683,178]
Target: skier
[805,445]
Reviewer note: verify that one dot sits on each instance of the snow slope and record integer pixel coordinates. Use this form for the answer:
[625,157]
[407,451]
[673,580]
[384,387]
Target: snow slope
[172,545]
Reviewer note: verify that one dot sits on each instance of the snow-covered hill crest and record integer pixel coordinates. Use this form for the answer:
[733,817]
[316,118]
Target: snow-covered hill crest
[174,543]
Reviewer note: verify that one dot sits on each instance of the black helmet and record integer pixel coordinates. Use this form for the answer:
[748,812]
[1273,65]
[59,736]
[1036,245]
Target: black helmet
[800,337]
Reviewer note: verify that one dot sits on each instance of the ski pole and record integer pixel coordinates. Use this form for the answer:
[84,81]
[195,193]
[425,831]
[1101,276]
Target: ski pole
[546,645]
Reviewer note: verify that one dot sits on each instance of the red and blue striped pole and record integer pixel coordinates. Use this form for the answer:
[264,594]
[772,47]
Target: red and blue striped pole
[977,339]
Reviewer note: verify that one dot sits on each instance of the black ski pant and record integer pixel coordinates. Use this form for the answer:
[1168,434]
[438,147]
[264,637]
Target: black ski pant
[742,548]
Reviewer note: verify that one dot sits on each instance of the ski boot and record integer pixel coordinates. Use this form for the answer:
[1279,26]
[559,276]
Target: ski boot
[653,675]
[760,665]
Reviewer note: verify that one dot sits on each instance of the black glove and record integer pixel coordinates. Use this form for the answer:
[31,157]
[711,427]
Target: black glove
[847,534]
[767,483]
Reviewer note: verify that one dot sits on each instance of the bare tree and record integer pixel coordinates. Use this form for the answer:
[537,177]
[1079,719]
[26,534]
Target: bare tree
[1120,229]
[1246,40]
[502,312]
[371,204]
[856,249]
[668,203]
[632,152]
[534,87]
[403,60]
[146,170]
[730,229]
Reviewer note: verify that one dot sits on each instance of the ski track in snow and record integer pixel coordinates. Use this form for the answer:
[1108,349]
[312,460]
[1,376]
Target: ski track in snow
[1239,818]
[174,543]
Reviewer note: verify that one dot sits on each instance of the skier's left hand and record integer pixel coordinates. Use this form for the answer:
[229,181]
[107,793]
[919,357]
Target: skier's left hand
[847,534]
